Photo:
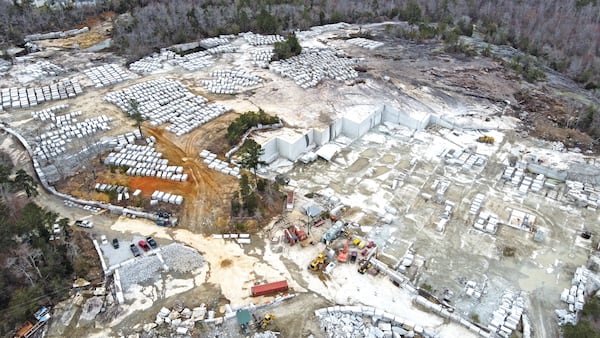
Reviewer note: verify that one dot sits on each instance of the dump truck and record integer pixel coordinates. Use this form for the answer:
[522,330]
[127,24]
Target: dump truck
[317,263]
[486,139]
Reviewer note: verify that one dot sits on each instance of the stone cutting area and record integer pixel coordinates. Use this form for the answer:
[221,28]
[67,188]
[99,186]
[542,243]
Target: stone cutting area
[227,81]
[365,43]
[165,100]
[357,321]
[144,160]
[106,75]
[260,40]
[29,97]
[63,129]
[315,65]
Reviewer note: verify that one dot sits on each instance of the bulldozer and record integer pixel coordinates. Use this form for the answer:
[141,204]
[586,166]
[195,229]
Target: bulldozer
[486,139]
[266,320]
[317,263]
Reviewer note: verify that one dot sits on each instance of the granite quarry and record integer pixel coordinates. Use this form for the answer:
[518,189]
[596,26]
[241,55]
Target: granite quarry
[456,237]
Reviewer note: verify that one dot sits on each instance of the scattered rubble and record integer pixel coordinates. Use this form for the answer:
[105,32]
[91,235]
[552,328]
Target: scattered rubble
[356,321]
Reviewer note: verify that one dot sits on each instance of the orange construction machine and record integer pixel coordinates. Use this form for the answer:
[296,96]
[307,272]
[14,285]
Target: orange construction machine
[343,255]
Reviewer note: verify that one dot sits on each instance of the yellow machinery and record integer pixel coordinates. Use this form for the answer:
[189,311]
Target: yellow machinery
[318,263]
[356,241]
[486,139]
[265,321]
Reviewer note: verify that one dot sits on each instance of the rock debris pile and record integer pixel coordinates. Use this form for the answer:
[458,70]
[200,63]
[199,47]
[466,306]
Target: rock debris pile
[106,75]
[315,65]
[164,100]
[356,321]
[30,97]
[260,40]
[216,164]
[144,268]
[181,258]
[228,81]
[144,160]
[365,43]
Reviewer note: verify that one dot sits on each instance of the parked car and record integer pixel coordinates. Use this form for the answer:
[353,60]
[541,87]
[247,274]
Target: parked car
[56,229]
[103,240]
[115,243]
[371,244]
[151,242]
[84,223]
[142,243]
[365,252]
[134,249]
[353,257]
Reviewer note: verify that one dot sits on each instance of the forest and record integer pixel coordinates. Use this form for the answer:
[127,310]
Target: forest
[36,268]
[563,33]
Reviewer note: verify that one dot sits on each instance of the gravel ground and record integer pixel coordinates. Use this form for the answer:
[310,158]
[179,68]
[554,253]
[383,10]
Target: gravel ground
[142,270]
[181,258]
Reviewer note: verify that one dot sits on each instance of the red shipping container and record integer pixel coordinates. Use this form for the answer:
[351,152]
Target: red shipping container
[269,288]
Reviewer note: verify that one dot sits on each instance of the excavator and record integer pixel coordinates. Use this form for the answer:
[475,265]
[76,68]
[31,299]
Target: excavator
[265,321]
[343,255]
[317,263]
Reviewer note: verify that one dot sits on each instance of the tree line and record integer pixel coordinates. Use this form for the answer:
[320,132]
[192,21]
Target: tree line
[563,32]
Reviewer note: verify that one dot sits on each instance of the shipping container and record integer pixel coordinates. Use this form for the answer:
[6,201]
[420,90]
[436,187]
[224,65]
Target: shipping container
[269,288]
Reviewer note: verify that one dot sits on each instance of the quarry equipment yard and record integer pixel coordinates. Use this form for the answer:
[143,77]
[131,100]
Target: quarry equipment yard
[464,224]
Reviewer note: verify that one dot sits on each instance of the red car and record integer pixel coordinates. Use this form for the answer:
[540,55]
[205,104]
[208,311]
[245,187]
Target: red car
[364,252]
[371,244]
[142,243]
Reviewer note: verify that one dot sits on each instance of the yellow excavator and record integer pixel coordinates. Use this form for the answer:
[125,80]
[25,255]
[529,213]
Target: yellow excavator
[265,321]
[486,139]
[317,263]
